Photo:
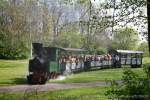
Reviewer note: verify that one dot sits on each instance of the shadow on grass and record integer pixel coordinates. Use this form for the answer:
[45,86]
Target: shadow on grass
[20,81]
[15,81]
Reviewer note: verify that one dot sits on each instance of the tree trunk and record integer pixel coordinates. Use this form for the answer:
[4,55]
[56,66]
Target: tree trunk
[148,14]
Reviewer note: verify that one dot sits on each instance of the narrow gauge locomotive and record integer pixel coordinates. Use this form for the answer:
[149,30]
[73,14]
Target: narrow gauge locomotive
[50,62]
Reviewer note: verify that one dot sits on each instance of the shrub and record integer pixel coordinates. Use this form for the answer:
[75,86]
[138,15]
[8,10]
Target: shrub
[132,87]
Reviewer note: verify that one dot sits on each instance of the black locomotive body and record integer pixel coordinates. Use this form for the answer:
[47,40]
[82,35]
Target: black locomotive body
[38,66]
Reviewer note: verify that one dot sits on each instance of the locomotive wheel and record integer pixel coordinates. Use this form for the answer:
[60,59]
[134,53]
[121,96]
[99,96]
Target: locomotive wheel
[43,81]
[36,79]
[30,79]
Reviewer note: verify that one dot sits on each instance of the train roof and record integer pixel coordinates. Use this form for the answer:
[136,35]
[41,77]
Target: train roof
[130,51]
[73,49]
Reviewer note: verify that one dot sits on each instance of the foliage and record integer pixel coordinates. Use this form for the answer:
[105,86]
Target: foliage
[35,21]
[132,86]
[125,38]
[12,41]
[144,47]
[98,51]
[101,51]
[128,11]
[147,69]
[72,40]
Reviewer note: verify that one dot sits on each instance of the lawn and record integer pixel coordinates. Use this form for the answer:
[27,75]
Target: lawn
[99,75]
[13,72]
[95,93]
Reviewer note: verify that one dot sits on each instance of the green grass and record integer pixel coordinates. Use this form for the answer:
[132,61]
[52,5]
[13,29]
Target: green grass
[94,93]
[13,72]
[99,75]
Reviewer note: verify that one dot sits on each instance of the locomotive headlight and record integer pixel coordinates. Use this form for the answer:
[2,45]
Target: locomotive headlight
[30,73]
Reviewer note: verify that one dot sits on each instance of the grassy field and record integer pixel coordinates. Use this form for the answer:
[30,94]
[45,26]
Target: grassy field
[96,93]
[99,75]
[14,72]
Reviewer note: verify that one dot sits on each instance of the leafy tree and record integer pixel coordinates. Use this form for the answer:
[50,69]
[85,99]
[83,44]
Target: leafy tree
[127,11]
[10,32]
[125,38]
[72,40]
[14,37]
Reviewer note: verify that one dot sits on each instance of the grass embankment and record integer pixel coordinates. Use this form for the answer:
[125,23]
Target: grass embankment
[99,75]
[13,72]
[96,93]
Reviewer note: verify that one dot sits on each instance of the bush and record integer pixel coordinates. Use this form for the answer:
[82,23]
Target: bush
[13,51]
[132,87]
[144,47]
[101,51]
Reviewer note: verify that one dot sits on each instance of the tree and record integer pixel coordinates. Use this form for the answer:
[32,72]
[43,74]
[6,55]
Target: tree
[56,12]
[129,12]
[19,27]
[12,28]
[148,14]
[125,38]
[71,40]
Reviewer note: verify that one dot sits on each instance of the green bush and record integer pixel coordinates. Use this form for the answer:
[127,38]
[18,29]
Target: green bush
[144,47]
[101,51]
[132,87]
[9,50]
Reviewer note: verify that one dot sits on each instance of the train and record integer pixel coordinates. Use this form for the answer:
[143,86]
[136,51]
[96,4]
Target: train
[50,62]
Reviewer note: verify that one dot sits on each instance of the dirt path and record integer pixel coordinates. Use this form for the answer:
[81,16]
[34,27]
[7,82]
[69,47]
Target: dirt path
[49,87]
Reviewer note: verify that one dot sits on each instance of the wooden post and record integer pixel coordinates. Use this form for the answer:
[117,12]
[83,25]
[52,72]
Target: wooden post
[120,56]
[31,52]
[131,59]
[136,59]
[125,59]
[141,58]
